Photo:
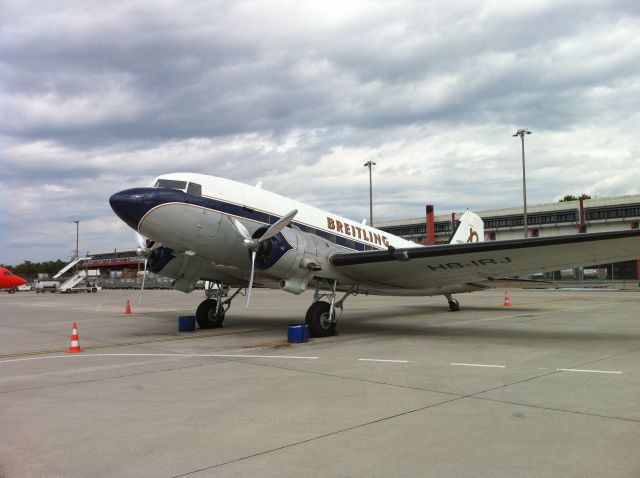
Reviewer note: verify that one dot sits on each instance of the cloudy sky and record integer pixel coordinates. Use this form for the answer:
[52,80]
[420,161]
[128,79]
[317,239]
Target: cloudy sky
[97,97]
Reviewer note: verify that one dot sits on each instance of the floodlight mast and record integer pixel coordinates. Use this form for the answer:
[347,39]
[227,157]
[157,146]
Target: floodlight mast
[369,164]
[77,223]
[521,132]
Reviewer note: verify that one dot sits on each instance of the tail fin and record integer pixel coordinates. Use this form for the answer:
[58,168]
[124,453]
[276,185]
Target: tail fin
[470,229]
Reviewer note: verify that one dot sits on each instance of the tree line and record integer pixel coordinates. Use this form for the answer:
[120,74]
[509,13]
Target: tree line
[30,270]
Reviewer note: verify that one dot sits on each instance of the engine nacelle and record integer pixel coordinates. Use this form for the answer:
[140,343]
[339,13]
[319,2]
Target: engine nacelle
[159,259]
[293,257]
[186,267]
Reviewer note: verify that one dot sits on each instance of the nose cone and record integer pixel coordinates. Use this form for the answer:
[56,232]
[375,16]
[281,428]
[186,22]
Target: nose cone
[131,205]
[20,281]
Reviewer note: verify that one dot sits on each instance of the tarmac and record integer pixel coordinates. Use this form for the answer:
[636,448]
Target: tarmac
[549,387]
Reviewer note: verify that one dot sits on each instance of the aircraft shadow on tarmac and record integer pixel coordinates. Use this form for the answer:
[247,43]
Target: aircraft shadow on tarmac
[401,322]
[485,332]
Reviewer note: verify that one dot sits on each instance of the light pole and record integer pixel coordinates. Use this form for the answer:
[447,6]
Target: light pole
[369,164]
[521,133]
[77,223]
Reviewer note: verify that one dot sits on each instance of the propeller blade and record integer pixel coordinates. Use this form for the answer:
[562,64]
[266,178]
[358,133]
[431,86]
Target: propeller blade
[144,245]
[248,242]
[140,240]
[241,229]
[144,276]
[253,265]
[278,226]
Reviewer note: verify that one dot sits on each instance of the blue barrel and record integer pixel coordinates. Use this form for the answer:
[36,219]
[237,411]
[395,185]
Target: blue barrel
[298,333]
[186,323]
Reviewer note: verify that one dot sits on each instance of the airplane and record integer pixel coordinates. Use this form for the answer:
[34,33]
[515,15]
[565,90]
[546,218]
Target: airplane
[10,281]
[193,226]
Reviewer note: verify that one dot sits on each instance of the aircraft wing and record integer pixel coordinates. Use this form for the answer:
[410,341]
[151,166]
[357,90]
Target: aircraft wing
[449,265]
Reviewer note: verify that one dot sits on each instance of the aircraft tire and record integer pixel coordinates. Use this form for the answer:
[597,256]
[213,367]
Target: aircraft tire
[317,319]
[206,315]
[454,305]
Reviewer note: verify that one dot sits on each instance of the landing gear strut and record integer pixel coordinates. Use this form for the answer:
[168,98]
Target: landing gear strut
[210,312]
[322,317]
[454,305]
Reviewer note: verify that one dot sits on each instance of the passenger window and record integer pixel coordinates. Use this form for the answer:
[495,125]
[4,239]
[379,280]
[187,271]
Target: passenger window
[194,189]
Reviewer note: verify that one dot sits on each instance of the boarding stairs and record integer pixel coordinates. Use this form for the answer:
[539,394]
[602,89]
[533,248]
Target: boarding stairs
[70,265]
[73,281]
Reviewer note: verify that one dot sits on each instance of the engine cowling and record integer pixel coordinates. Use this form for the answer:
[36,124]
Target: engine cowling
[159,258]
[185,267]
[293,257]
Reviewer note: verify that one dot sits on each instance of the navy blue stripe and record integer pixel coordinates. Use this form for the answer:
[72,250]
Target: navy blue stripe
[132,204]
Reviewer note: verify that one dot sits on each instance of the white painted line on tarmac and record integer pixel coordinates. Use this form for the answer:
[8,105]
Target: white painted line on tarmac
[209,355]
[37,358]
[261,356]
[162,355]
[587,371]
[477,365]
[382,360]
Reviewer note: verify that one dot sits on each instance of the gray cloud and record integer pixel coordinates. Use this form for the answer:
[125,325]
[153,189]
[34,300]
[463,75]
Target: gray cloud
[98,97]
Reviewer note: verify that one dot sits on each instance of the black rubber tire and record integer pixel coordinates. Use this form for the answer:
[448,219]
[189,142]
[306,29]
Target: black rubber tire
[454,305]
[206,315]
[317,320]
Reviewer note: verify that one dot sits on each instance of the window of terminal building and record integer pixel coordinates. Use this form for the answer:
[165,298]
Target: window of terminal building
[442,227]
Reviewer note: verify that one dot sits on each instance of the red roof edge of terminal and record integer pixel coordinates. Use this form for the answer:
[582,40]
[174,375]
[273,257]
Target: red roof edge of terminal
[125,262]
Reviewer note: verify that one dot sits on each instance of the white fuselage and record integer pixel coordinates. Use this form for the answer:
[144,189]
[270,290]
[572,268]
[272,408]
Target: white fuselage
[272,204]
[201,232]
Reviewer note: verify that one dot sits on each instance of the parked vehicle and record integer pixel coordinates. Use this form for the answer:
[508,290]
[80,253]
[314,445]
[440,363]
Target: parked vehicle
[46,286]
[85,286]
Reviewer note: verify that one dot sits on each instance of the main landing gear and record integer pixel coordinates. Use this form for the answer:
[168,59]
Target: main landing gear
[322,317]
[454,305]
[210,312]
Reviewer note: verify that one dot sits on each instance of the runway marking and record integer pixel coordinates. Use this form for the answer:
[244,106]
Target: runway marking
[164,355]
[477,365]
[382,360]
[587,371]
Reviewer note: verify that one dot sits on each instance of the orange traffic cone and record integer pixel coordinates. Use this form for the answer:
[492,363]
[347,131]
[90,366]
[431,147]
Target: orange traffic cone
[127,309]
[507,302]
[74,347]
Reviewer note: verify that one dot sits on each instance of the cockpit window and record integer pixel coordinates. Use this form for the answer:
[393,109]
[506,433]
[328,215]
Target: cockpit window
[171,184]
[194,189]
[7,273]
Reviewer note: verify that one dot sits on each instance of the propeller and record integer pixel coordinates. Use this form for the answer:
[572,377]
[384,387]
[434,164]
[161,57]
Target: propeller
[254,244]
[145,246]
